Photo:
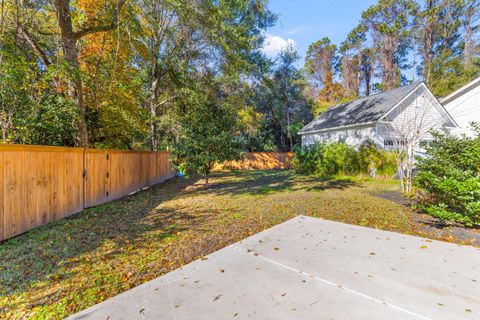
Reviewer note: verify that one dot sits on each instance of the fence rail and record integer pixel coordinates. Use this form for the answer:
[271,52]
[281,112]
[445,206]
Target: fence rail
[40,184]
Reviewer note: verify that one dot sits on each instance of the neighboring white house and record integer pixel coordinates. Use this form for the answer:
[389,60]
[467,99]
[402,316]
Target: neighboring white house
[464,106]
[388,119]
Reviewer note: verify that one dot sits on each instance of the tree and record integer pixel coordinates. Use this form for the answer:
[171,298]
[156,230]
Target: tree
[69,40]
[471,25]
[407,127]
[353,65]
[357,62]
[13,95]
[208,136]
[177,37]
[280,97]
[366,69]
[320,63]
[437,36]
[320,60]
[31,110]
[350,75]
[428,32]
[389,22]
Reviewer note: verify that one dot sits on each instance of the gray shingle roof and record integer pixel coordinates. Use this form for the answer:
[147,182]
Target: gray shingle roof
[363,110]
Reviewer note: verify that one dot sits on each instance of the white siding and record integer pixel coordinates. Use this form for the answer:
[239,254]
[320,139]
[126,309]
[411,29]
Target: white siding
[465,109]
[354,136]
[418,111]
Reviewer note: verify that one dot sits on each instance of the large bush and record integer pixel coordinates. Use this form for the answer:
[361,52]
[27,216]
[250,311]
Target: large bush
[330,159]
[449,178]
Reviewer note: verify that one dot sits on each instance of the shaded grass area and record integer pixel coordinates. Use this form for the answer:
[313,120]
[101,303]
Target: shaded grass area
[69,265]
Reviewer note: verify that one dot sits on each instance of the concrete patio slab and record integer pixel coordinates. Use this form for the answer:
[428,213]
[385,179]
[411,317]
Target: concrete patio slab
[308,268]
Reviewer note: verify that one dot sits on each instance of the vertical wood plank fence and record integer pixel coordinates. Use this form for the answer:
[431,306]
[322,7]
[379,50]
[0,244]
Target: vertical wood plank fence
[40,184]
[260,161]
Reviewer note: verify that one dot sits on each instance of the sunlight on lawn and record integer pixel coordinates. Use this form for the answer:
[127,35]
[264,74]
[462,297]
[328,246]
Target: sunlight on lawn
[69,265]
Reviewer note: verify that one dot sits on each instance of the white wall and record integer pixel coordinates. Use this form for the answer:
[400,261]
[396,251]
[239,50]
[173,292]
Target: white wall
[354,136]
[465,109]
[419,111]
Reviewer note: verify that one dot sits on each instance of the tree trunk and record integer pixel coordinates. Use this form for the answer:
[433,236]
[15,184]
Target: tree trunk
[389,72]
[207,176]
[69,44]
[153,107]
[407,186]
[153,130]
[153,118]
[471,11]
[428,42]
[367,85]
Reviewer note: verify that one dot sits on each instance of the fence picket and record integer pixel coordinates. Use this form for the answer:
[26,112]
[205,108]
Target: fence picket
[40,184]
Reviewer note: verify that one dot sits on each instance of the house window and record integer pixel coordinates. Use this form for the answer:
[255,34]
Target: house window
[388,143]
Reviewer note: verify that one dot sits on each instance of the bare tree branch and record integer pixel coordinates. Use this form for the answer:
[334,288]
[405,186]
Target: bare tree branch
[35,47]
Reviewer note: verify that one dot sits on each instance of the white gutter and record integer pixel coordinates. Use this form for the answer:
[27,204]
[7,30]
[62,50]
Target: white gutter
[363,124]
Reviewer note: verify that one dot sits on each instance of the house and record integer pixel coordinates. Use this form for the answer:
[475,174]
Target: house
[387,119]
[464,106]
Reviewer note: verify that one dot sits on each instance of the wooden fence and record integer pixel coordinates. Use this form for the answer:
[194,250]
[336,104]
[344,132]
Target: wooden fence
[41,184]
[260,161]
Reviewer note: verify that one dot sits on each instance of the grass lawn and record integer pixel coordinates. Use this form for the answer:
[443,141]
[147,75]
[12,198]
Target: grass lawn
[69,265]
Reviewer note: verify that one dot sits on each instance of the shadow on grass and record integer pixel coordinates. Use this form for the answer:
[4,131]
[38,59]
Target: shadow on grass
[268,182]
[47,251]
[63,249]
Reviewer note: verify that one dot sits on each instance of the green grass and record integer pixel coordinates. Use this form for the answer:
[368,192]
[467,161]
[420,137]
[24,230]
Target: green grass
[69,265]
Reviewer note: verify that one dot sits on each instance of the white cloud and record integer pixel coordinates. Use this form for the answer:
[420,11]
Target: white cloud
[297,30]
[275,44]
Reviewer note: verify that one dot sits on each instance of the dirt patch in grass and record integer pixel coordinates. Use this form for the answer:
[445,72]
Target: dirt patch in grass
[429,226]
[64,267]
[446,231]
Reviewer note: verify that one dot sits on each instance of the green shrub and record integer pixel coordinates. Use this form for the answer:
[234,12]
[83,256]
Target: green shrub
[382,161]
[448,179]
[329,159]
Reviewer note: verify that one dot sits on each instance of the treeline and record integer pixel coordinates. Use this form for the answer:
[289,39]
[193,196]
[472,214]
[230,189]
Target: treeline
[437,41]
[149,74]
[139,74]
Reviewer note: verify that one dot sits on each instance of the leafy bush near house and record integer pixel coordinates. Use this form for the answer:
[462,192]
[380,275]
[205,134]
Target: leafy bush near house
[328,159]
[449,179]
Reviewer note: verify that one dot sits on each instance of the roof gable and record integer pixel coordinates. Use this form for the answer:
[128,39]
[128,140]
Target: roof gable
[421,90]
[361,111]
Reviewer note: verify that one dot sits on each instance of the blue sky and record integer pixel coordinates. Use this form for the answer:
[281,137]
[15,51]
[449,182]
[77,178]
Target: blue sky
[305,21]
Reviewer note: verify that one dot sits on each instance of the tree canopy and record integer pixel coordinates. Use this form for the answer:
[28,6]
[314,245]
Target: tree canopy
[123,74]
[395,42]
